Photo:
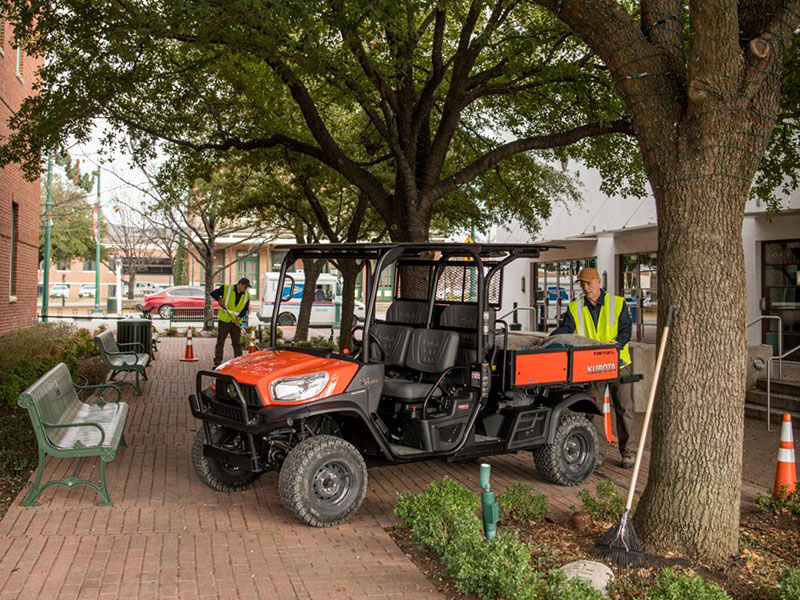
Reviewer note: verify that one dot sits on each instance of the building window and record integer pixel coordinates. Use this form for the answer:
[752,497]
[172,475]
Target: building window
[88,265]
[556,285]
[2,36]
[276,258]
[638,283]
[19,62]
[63,265]
[12,272]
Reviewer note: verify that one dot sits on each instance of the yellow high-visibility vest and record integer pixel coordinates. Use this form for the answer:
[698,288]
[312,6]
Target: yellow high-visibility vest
[229,302]
[607,327]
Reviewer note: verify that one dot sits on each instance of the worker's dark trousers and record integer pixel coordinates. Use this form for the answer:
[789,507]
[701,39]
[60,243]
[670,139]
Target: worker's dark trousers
[225,329]
[622,401]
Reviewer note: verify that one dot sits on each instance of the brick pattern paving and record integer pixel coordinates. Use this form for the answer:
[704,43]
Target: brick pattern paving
[170,536]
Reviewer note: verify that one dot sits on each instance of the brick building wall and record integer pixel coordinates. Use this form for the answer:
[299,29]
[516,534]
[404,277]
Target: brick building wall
[19,198]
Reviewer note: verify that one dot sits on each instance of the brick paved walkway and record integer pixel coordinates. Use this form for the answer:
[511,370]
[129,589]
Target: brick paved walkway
[170,536]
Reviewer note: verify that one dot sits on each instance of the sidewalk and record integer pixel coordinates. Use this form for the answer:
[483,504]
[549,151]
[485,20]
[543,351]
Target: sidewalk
[170,536]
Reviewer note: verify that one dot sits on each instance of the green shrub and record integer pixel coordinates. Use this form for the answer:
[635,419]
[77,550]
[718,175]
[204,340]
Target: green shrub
[674,584]
[27,354]
[171,332]
[785,503]
[789,584]
[519,502]
[607,506]
[444,519]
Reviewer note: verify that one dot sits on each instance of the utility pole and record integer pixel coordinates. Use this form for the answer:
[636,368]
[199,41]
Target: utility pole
[47,225]
[96,309]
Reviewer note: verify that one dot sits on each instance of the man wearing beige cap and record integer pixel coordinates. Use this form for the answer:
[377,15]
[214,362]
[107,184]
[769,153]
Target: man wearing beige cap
[605,318]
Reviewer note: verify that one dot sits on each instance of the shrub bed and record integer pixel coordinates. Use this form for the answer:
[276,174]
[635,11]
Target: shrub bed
[27,354]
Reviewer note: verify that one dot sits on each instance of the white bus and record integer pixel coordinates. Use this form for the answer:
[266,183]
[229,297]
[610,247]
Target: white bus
[327,297]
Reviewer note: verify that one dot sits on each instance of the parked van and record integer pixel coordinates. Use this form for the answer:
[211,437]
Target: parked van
[327,297]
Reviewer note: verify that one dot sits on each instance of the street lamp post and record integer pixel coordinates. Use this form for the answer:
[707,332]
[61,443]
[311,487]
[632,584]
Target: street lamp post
[96,309]
[47,225]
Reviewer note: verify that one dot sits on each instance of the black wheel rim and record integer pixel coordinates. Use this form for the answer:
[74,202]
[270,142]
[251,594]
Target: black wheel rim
[577,452]
[332,483]
[235,443]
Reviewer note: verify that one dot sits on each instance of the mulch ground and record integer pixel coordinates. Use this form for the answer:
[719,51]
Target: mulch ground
[769,542]
[18,455]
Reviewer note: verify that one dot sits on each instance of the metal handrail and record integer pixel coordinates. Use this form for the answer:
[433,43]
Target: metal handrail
[769,377]
[535,310]
[780,337]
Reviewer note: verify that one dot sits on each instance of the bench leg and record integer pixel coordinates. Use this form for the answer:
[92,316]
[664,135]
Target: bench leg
[32,499]
[136,385]
[70,481]
[113,374]
[123,443]
[103,492]
[144,374]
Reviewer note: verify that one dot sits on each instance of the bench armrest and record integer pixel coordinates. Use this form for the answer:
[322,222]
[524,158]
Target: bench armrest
[65,425]
[101,386]
[133,354]
[140,344]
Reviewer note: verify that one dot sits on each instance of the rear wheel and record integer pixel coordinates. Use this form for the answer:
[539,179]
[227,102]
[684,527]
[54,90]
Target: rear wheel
[570,459]
[165,311]
[323,481]
[214,473]
[286,319]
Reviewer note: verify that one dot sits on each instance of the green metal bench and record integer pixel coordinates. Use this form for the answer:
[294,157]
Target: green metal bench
[117,361]
[65,427]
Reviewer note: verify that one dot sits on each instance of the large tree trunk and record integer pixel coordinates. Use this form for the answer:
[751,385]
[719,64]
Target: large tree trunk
[311,270]
[701,181]
[349,270]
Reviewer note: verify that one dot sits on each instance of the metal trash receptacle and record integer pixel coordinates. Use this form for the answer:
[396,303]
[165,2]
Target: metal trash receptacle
[111,305]
[136,330]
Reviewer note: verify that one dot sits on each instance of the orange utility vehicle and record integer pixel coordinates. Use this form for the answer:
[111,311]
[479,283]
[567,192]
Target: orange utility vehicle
[439,377]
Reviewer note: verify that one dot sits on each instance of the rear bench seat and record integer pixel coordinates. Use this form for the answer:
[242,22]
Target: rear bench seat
[464,318]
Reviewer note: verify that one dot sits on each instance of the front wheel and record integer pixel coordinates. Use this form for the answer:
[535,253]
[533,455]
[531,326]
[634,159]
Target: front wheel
[323,481]
[214,473]
[570,459]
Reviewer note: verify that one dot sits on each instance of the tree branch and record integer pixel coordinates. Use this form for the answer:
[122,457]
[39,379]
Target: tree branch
[541,142]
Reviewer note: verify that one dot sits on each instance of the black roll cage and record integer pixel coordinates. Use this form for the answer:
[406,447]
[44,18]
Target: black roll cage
[386,254]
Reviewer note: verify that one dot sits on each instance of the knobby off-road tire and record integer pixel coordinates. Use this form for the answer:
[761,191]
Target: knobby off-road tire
[323,481]
[570,459]
[215,474]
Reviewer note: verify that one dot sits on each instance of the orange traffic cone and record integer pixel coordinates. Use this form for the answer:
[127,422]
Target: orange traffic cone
[189,355]
[785,474]
[252,347]
[610,437]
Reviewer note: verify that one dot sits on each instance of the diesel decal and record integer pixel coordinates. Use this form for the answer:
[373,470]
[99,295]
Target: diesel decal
[368,380]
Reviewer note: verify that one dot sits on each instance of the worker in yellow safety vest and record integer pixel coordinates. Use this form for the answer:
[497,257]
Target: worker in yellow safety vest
[605,318]
[234,303]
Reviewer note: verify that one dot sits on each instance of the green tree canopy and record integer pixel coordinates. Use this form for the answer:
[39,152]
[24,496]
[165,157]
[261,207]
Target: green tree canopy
[441,93]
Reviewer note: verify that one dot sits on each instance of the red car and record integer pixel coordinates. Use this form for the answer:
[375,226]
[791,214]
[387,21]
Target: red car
[181,296]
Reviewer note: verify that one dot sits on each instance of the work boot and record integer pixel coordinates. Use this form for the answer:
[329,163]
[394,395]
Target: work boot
[628,461]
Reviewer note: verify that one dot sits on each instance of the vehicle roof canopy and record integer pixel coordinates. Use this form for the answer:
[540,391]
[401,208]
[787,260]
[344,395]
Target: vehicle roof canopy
[411,249]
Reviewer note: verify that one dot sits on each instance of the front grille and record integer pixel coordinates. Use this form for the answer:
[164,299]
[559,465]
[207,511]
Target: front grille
[250,393]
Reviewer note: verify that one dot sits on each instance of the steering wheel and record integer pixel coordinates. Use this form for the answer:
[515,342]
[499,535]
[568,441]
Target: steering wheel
[360,343]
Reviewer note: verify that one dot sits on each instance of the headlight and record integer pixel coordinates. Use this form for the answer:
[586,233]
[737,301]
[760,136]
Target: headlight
[295,389]
[231,390]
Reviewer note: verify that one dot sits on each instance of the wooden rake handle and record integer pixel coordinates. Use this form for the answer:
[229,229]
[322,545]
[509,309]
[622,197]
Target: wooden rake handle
[640,450]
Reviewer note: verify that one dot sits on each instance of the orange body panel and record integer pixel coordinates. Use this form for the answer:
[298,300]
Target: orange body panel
[262,368]
[538,368]
[592,364]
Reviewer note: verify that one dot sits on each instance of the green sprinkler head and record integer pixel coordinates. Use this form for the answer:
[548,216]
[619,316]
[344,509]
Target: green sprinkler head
[489,508]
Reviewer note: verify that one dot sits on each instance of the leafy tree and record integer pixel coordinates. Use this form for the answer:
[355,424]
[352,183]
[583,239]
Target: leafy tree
[710,88]
[72,231]
[443,93]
